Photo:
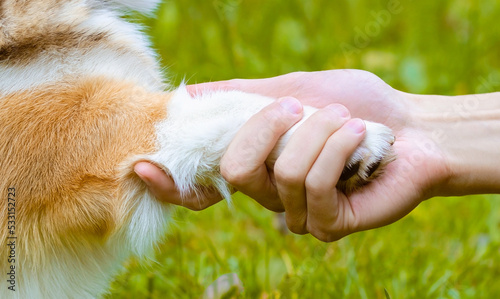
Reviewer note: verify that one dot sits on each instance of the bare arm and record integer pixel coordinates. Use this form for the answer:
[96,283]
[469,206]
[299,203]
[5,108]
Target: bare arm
[467,129]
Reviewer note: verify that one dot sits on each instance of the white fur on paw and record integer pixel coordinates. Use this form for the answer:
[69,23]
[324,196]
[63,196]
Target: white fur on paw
[369,159]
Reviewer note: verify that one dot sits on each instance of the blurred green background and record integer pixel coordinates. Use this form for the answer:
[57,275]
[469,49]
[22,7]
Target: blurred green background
[446,248]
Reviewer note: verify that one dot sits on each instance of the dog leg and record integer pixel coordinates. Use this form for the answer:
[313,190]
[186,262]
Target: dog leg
[198,130]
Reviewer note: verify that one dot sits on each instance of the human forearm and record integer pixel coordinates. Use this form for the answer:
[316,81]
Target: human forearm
[467,130]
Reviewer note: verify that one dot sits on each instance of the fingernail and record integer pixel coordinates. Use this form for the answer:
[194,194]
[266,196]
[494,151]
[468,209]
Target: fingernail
[356,126]
[340,110]
[291,104]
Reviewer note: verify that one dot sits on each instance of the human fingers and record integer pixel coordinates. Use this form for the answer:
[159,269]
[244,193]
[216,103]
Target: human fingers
[299,155]
[163,187]
[328,211]
[243,164]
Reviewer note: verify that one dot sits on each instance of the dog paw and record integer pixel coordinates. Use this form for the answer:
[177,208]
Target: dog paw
[369,159]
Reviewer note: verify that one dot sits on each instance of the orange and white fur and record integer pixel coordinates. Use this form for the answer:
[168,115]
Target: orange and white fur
[82,99]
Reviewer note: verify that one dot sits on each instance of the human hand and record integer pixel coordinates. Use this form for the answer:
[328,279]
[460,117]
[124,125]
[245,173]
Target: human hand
[307,189]
[428,163]
[307,192]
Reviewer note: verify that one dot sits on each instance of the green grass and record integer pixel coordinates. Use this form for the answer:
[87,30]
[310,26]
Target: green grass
[446,248]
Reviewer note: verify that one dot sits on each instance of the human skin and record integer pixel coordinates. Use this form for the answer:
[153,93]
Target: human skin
[444,145]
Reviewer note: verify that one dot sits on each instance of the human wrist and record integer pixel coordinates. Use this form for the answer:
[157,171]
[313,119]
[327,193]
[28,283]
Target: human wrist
[465,129]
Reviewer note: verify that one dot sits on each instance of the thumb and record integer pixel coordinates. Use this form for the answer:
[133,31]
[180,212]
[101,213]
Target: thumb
[164,189]
[158,182]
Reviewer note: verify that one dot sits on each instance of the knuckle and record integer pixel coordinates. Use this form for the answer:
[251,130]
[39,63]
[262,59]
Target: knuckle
[234,172]
[324,117]
[286,175]
[235,175]
[237,164]
[328,118]
[315,186]
[270,115]
[340,147]
[276,120]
